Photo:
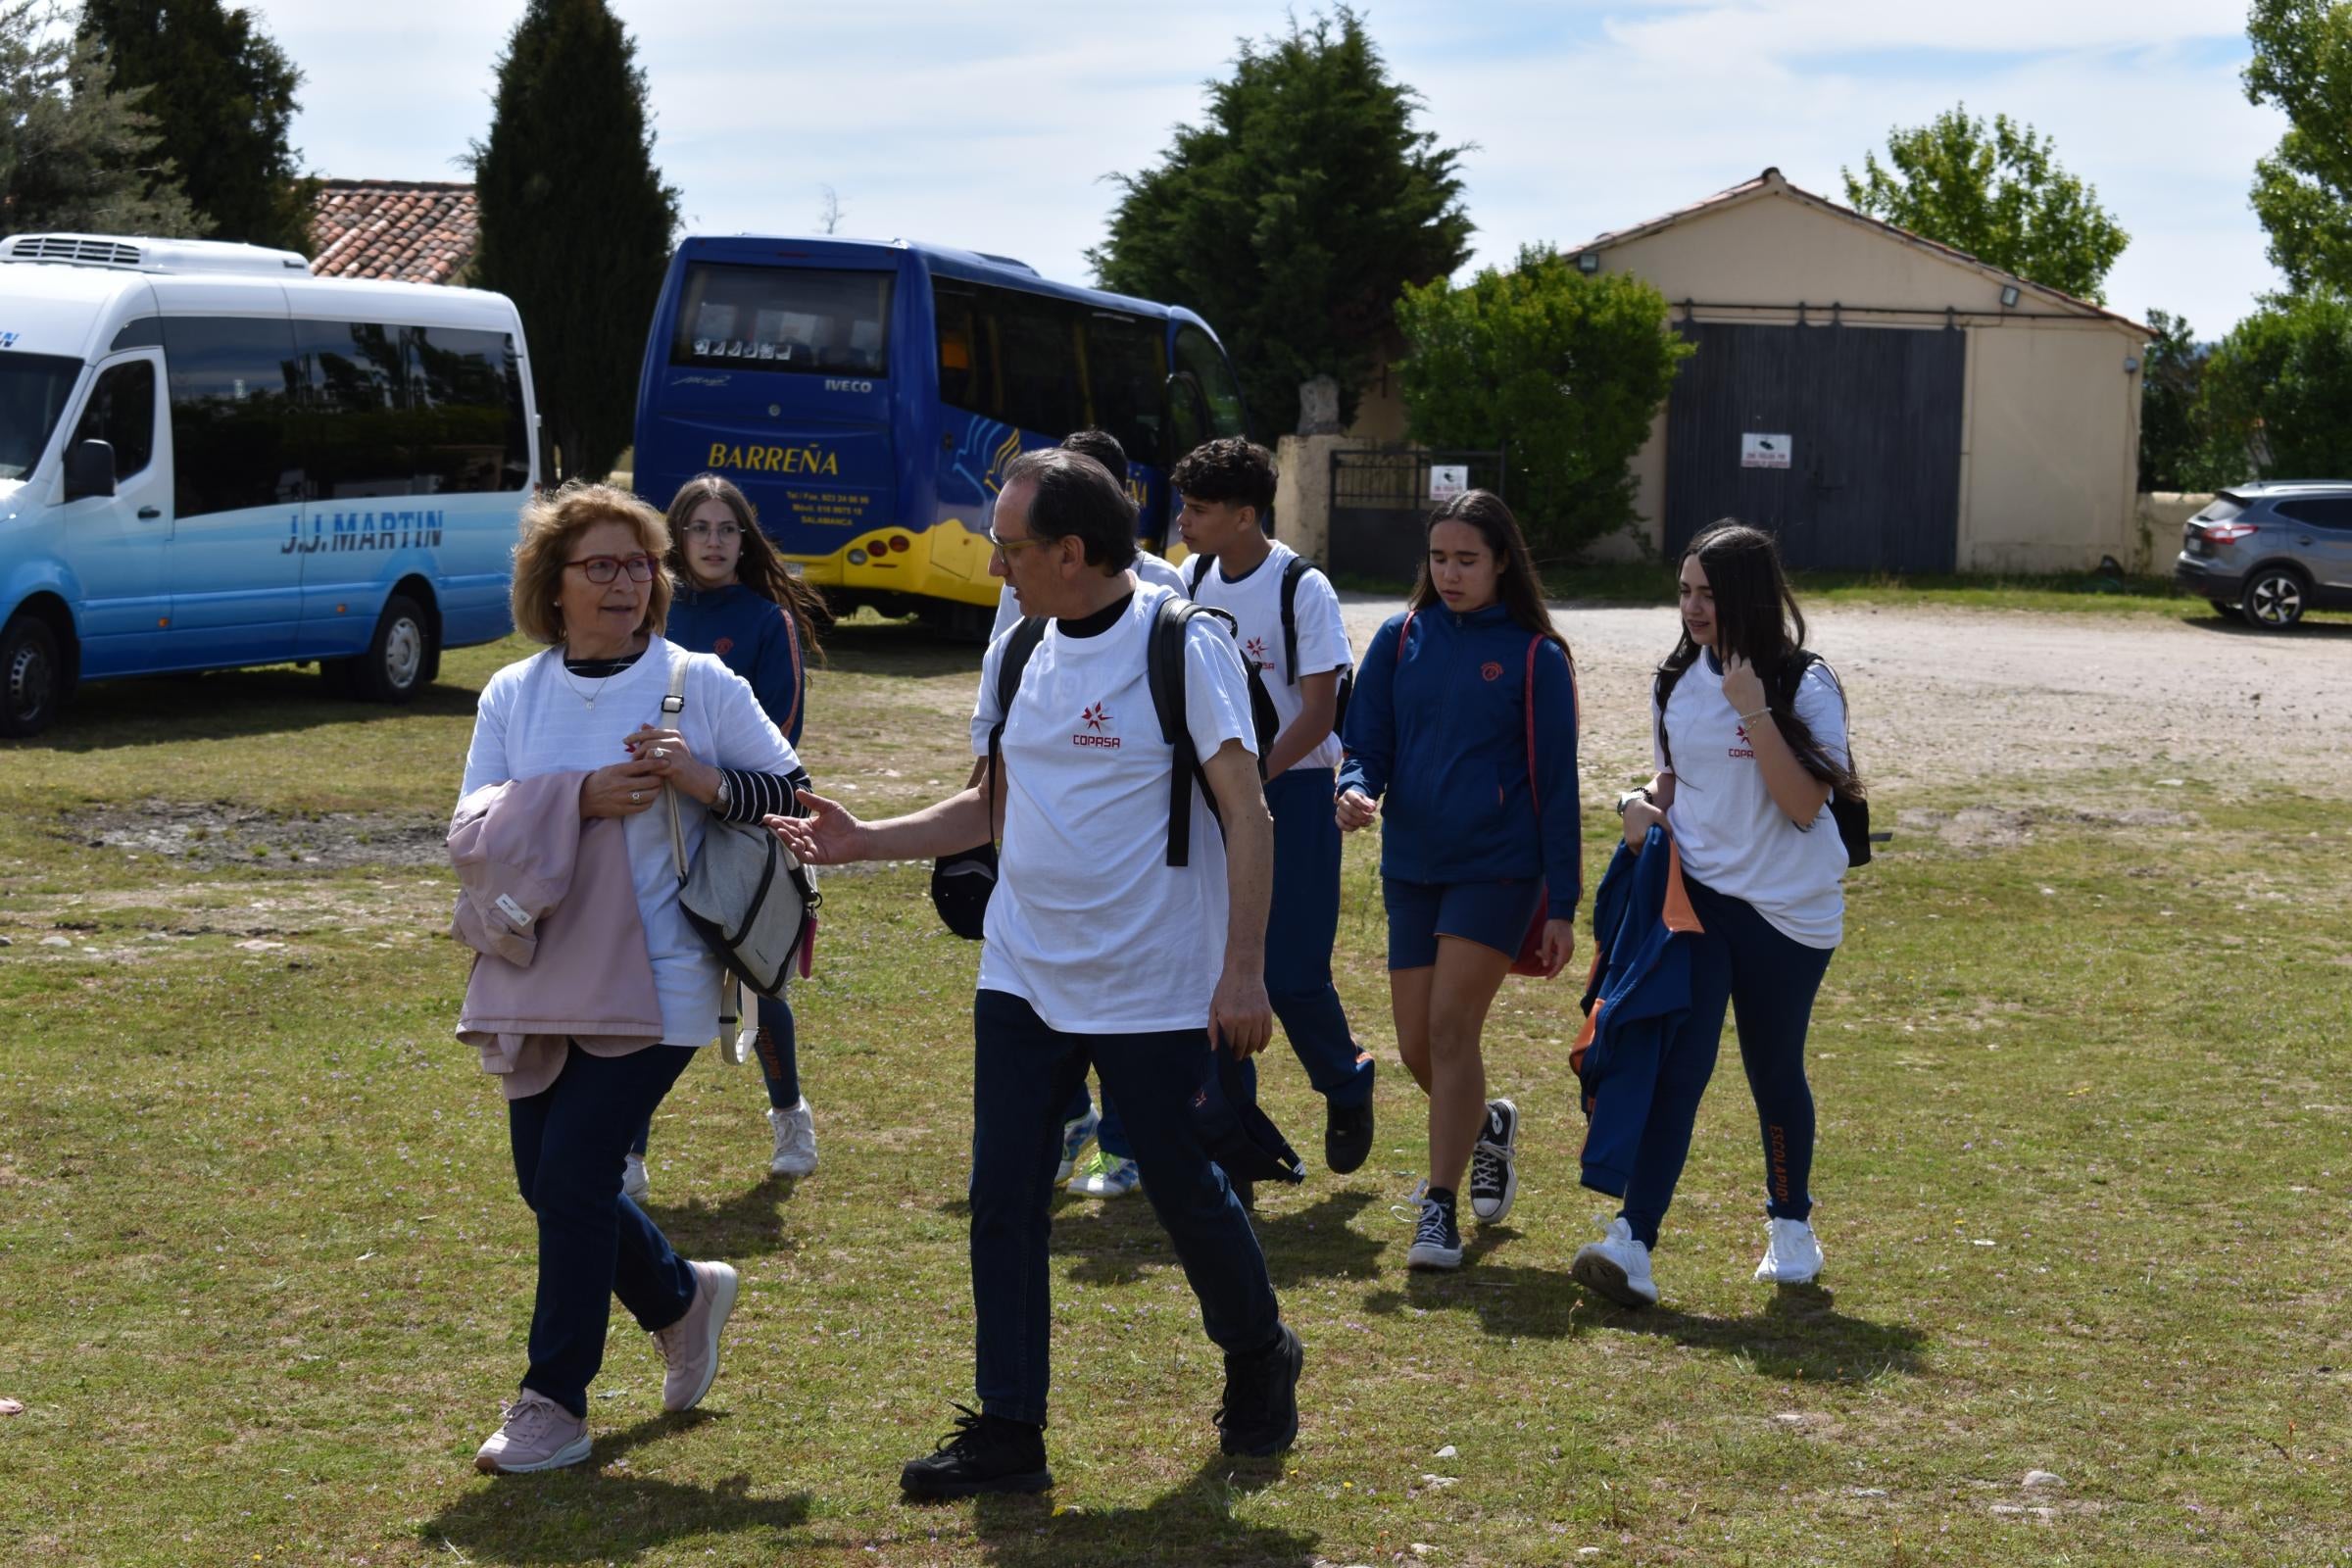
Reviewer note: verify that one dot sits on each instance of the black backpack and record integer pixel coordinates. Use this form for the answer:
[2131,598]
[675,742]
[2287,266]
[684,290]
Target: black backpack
[1293,571]
[962,884]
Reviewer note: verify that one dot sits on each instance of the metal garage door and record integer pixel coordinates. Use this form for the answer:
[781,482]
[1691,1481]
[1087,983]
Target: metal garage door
[1866,419]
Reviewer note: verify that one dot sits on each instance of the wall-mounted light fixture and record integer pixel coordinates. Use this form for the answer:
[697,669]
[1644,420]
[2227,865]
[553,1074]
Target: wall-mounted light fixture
[2008,295]
[1588,261]
[2131,364]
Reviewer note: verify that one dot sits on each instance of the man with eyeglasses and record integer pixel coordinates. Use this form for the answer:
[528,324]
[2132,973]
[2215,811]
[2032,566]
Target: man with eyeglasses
[1097,951]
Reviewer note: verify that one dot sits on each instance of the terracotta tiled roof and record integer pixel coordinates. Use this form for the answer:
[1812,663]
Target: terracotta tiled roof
[403,231]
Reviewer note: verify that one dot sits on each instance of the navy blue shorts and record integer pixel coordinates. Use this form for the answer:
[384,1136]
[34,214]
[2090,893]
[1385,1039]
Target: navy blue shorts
[1493,915]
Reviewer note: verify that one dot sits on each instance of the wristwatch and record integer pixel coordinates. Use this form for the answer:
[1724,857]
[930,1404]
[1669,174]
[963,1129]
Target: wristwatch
[1630,797]
[725,798]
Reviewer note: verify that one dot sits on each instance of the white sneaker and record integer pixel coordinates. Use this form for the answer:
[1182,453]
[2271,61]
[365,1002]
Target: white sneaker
[796,1140]
[1616,1266]
[635,1185]
[1075,1136]
[1107,1176]
[1792,1257]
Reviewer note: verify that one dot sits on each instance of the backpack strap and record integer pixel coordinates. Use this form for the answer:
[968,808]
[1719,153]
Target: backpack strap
[1535,796]
[673,703]
[1164,675]
[1019,644]
[1293,570]
[1195,569]
[1402,633]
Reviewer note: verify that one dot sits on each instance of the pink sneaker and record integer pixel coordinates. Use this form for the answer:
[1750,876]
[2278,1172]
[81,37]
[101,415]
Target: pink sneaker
[539,1434]
[690,1346]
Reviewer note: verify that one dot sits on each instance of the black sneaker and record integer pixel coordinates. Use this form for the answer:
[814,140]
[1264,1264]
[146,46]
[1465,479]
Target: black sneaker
[1494,1172]
[1346,1137]
[1261,1414]
[984,1453]
[1436,1239]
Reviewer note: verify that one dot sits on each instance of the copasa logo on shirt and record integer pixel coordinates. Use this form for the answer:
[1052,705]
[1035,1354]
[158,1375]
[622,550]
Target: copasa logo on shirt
[1255,650]
[1096,720]
[1746,746]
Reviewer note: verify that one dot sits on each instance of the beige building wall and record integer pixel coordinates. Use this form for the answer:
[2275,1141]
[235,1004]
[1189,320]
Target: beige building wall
[2050,438]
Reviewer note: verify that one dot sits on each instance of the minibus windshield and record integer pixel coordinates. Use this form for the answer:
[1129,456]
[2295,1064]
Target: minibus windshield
[34,389]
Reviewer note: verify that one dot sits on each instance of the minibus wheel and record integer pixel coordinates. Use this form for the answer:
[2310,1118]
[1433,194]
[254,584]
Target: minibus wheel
[31,676]
[401,657]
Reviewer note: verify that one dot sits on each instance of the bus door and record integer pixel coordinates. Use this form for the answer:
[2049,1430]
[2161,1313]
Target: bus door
[776,377]
[116,544]
[238,534]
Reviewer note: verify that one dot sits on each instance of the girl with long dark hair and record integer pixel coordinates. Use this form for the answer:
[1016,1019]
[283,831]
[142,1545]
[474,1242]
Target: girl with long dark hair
[1464,717]
[736,600]
[1749,735]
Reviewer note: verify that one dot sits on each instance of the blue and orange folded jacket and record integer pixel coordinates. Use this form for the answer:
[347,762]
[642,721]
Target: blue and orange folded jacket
[1636,997]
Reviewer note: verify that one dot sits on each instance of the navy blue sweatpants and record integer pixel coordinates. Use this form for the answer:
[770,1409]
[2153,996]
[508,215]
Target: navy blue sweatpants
[1768,982]
[1303,924]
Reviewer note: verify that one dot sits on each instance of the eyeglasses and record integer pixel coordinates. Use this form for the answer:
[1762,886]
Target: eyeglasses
[1010,548]
[723,533]
[604,569]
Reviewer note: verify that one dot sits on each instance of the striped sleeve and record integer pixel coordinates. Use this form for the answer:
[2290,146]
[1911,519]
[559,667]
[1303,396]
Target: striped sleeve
[752,796]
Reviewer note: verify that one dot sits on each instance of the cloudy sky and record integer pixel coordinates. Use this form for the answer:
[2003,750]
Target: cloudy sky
[993,127]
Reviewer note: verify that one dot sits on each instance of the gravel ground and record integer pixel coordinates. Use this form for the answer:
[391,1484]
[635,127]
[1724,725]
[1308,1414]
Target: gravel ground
[1944,696]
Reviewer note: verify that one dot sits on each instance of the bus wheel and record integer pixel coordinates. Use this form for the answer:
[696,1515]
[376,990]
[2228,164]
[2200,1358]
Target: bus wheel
[401,658]
[31,676]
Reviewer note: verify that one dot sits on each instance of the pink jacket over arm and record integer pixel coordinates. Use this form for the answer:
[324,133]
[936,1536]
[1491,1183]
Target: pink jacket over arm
[546,901]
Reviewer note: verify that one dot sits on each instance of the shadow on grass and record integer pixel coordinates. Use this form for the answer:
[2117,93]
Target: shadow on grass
[588,1514]
[898,648]
[1800,1335]
[226,705]
[1114,1242]
[750,1224]
[1192,1525]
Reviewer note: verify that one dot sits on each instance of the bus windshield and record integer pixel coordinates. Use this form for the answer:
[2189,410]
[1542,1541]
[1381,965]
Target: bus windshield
[34,389]
[783,319]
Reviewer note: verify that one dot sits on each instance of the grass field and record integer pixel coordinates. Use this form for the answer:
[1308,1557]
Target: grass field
[2086,1160]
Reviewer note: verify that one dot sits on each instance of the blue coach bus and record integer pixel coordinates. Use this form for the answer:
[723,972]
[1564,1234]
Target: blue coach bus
[867,396]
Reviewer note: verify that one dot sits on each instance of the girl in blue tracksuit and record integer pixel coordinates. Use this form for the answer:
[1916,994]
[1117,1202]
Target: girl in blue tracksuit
[1464,717]
[735,599]
[1749,735]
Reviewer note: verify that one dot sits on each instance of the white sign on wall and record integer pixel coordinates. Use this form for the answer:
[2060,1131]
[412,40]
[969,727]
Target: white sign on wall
[1765,451]
[1447,480]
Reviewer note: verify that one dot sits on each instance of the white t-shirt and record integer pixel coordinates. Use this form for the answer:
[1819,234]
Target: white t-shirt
[1089,923]
[534,718]
[1733,838]
[1255,604]
[1148,571]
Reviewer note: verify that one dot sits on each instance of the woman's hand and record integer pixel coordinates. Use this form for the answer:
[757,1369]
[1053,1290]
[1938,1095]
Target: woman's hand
[665,752]
[623,790]
[1742,686]
[1356,809]
[1557,944]
[829,835]
[1640,817]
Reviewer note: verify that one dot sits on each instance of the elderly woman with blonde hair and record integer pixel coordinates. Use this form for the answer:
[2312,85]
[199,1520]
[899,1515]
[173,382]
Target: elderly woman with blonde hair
[590,583]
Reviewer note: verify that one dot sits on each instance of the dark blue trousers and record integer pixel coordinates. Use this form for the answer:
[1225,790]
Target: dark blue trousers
[1768,982]
[1302,926]
[569,1142]
[1022,1076]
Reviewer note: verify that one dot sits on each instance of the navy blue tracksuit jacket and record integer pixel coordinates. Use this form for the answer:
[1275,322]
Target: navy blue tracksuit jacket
[1638,996]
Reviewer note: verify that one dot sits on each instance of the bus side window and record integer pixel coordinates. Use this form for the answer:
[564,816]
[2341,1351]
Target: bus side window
[233,383]
[355,429]
[1126,363]
[1197,353]
[466,398]
[121,412]
[1037,362]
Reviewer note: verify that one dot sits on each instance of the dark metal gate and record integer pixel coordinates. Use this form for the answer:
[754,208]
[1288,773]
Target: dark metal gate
[1379,506]
[1843,441]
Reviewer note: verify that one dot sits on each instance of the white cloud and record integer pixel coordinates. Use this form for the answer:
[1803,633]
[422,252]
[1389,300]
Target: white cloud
[971,125]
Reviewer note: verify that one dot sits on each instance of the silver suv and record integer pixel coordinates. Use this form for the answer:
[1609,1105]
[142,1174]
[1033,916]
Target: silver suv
[2271,550]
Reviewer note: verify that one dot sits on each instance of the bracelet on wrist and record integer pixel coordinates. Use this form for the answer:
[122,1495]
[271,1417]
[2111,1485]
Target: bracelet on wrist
[1750,718]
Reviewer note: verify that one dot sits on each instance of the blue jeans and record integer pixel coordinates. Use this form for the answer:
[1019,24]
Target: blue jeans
[570,1140]
[1022,1075]
[779,1057]
[1303,924]
[1769,982]
[1110,1132]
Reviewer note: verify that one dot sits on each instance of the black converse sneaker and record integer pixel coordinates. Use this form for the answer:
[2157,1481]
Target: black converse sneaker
[1494,1173]
[1260,1417]
[1437,1240]
[984,1453]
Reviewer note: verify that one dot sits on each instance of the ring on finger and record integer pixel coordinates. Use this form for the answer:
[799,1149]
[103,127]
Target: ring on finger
[636,795]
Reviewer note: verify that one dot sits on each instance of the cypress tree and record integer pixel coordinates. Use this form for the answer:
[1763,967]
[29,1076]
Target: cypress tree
[576,222]
[221,94]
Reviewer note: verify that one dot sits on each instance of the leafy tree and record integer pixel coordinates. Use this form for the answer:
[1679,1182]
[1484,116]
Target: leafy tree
[2277,393]
[1563,370]
[1996,192]
[74,153]
[1294,218]
[2172,422]
[2303,191]
[222,94]
[576,222]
